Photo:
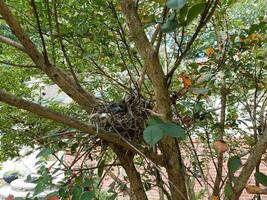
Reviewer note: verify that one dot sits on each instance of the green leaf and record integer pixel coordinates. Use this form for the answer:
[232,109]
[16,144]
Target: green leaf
[199,91]
[76,193]
[154,120]
[113,197]
[152,134]
[261,178]
[182,15]
[204,78]
[173,130]
[45,152]
[87,195]
[175,4]
[159,1]
[194,11]
[39,162]
[39,188]
[234,164]
[88,182]
[197,107]
[63,193]
[79,180]
[228,191]
[74,147]
[100,168]
[169,26]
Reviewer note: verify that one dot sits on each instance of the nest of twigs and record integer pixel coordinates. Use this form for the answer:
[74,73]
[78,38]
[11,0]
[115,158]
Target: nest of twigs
[127,117]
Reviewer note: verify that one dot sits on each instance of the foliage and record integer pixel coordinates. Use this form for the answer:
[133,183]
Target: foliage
[157,129]
[203,82]
[261,178]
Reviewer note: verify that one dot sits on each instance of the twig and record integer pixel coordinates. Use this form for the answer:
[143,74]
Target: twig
[63,47]
[40,31]
[205,16]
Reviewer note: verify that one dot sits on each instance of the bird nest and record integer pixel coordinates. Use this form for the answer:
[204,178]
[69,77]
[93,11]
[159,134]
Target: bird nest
[126,118]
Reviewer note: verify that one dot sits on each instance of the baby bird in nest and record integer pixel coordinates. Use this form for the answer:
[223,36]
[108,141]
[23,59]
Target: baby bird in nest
[126,117]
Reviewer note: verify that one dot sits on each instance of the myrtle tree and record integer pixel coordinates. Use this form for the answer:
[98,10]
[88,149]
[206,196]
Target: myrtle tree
[146,79]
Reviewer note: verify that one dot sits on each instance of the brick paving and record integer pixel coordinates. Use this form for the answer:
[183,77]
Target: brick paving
[153,194]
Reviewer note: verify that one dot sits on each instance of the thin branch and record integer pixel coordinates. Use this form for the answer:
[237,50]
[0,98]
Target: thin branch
[164,15]
[98,167]
[118,181]
[91,60]
[141,79]
[51,31]
[252,189]
[203,21]
[218,179]
[121,33]
[263,117]
[40,30]
[155,34]
[109,77]
[63,47]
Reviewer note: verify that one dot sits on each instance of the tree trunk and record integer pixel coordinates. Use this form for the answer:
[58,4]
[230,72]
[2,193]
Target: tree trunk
[174,168]
[126,158]
[163,107]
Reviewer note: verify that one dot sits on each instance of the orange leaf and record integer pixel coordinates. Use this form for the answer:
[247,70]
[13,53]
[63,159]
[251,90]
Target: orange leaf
[186,81]
[53,198]
[220,146]
[215,198]
[253,189]
[10,197]
[209,51]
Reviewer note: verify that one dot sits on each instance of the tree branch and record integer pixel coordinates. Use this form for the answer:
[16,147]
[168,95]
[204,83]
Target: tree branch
[63,47]
[218,178]
[149,56]
[172,157]
[127,162]
[17,65]
[206,15]
[12,43]
[65,82]
[39,30]
[249,166]
[68,121]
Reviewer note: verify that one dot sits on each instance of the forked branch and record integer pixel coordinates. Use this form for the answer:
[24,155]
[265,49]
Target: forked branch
[71,122]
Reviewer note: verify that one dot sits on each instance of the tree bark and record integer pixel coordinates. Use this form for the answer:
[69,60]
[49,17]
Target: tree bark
[150,58]
[219,168]
[174,168]
[12,43]
[126,158]
[249,166]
